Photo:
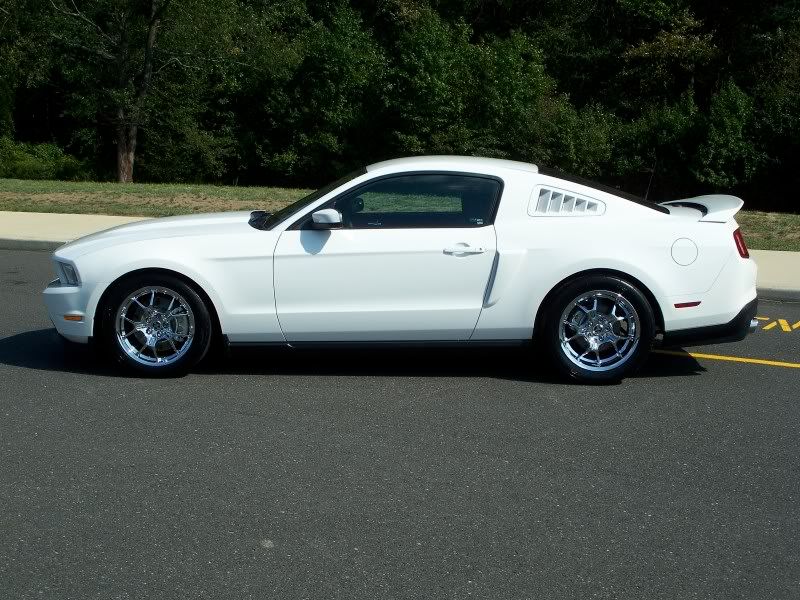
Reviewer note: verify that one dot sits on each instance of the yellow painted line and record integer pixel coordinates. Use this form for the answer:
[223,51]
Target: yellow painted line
[783,323]
[739,359]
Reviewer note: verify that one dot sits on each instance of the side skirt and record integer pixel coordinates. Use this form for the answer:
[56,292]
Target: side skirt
[384,344]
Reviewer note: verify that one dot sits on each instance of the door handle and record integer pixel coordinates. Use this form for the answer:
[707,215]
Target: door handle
[464,250]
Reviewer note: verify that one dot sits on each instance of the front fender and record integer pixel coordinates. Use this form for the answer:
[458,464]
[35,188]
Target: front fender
[235,275]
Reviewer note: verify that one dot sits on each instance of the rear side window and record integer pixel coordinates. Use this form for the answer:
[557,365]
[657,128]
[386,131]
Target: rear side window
[421,201]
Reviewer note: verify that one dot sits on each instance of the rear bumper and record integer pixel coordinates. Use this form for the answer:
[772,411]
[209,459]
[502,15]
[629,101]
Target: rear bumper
[733,331]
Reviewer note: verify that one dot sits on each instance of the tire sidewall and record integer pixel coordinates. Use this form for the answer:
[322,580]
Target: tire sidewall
[107,337]
[568,293]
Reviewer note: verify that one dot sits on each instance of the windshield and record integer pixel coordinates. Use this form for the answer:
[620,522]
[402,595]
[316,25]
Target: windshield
[294,207]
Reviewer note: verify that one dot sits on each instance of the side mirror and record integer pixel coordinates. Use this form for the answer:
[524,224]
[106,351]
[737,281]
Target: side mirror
[327,218]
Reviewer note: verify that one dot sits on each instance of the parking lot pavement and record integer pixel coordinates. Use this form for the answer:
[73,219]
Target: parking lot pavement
[414,474]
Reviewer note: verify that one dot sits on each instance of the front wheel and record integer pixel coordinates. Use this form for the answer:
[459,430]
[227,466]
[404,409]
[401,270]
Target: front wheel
[155,325]
[598,329]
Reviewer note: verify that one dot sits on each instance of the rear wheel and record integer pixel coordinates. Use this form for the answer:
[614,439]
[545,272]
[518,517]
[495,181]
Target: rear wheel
[155,325]
[598,329]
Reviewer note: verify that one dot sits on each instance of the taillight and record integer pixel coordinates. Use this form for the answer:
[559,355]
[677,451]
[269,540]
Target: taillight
[740,245]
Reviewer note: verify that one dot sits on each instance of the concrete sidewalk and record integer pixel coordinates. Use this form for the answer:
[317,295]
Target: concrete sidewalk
[48,231]
[778,272]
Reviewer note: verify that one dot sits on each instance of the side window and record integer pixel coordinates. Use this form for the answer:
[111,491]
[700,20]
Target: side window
[417,201]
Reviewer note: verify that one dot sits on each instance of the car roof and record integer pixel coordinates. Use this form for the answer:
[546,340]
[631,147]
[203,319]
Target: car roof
[469,164]
[462,163]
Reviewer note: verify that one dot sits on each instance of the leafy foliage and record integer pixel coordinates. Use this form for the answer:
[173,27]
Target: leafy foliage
[663,97]
[728,154]
[39,161]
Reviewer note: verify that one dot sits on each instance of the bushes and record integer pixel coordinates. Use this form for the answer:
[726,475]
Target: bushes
[39,161]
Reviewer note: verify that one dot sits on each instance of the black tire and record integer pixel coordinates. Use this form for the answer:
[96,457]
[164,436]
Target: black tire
[631,301]
[112,346]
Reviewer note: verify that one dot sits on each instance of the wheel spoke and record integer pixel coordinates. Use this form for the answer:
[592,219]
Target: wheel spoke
[152,297]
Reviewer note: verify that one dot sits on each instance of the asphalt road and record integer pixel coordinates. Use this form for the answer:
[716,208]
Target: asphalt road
[414,474]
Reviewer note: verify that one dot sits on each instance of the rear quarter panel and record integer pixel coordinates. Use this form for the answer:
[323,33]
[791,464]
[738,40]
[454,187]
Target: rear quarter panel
[536,254]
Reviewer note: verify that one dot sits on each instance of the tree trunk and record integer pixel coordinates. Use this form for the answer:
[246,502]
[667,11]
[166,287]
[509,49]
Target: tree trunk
[127,124]
[126,152]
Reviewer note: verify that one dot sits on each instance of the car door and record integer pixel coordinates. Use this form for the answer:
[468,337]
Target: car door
[411,262]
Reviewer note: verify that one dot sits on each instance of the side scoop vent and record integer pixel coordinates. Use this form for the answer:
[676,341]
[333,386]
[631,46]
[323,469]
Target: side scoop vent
[549,202]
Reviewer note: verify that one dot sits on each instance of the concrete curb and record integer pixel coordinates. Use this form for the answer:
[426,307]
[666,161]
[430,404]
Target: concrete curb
[779,295]
[47,245]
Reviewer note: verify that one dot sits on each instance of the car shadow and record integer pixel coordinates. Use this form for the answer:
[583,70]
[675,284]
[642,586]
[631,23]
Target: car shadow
[44,349]
[671,365]
[502,363]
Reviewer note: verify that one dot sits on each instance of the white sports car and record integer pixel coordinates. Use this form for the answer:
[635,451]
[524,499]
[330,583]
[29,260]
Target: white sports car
[440,249]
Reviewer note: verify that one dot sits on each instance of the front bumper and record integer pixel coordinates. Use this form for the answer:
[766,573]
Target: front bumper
[733,331]
[68,301]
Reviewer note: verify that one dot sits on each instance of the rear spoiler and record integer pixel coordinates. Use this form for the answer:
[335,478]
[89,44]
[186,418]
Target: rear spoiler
[716,208]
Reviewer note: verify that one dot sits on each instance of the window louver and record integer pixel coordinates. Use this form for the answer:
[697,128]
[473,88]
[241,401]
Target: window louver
[548,202]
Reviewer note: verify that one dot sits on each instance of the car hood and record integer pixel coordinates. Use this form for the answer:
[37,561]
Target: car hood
[166,227]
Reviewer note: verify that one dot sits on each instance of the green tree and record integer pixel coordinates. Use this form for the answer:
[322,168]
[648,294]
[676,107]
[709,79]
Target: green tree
[11,52]
[730,154]
[321,111]
[666,97]
[135,64]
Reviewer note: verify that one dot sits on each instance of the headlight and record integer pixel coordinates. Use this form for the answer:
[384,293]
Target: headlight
[69,275]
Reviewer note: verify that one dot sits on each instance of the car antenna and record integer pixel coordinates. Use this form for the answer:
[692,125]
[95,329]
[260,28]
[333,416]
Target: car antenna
[652,173]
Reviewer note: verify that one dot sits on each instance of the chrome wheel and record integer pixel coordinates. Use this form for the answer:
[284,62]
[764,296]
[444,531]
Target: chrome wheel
[599,330]
[155,326]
